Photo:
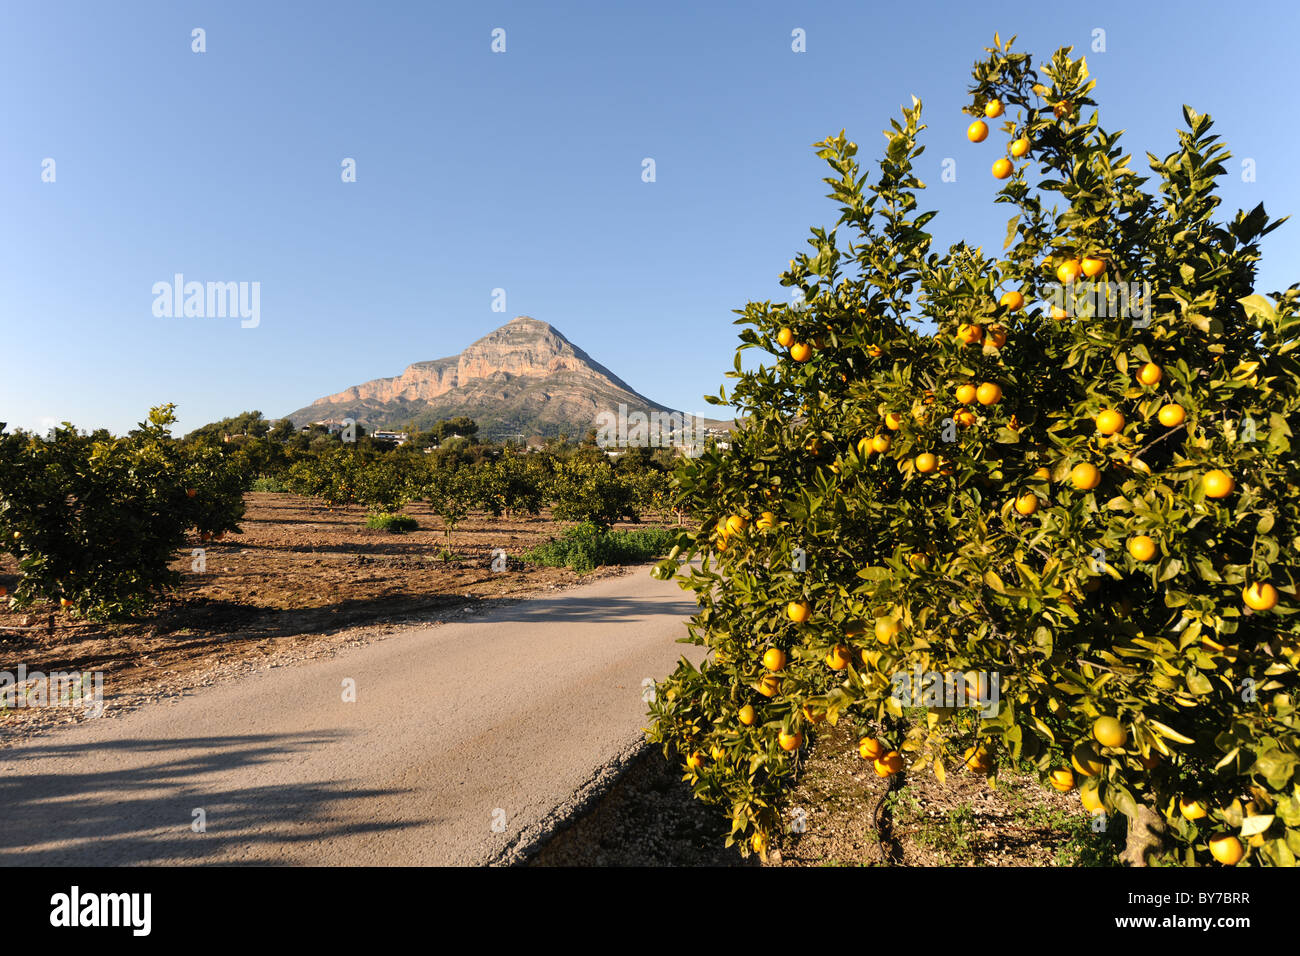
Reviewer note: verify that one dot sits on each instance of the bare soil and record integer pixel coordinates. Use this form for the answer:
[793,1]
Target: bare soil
[840,813]
[300,581]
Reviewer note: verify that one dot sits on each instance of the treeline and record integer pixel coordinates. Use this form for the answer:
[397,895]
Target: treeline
[450,468]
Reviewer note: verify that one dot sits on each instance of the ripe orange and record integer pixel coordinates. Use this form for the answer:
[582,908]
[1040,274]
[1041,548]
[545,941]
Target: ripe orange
[785,338]
[736,524]
[1062,780]
[768,685]
[801,352]
[695,761]
[64,602]
[1141,547]
[720,544]
[926,463]
[1150,374]
[789,741]
[799,611]
[1012,300]
[893,421]
[869,748]
[965,393]
[774,659]
[919,561]
[969,334]
[978,760]
[997,337]
[989,393]
[1059,314]
[766,521]
[977,131]
[3,590]
[1092,266]
[839,657]
[1259,597]
[759,842]
[1109,732]
[1171,416]
[191,492]
[886,628]
[717,753]
[1192,809]
[1110,421]
[747,715]
[1087,761]
[1027,503]
[1225,848]
[1085,476]
[1217,484]
[993,109]
[1091,800]
[1019,147]
[889,764]
[1068,271]
[880,443]
[964,417]
[1043,474]
[1001,168]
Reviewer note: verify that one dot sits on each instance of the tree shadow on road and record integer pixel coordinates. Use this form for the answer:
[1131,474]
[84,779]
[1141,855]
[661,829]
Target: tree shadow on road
[144,814]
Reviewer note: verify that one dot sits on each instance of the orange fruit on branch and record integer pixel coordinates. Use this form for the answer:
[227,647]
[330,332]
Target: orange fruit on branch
[1141,547]
[1259,596]
[1217,483]
[1171,415]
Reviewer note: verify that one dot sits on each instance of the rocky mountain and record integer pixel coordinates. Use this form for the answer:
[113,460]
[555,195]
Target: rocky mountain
[523,379]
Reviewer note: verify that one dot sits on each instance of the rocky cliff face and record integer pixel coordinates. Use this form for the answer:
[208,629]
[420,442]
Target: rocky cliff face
[523,378]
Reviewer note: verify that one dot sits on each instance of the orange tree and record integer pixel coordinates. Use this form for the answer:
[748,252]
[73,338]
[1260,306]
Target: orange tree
[95,521]
[1060,482]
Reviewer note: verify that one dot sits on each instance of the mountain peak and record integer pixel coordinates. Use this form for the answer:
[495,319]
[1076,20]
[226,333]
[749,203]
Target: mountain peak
[522,377]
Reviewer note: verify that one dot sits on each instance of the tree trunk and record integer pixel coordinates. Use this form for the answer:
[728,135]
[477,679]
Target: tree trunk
[1145,833]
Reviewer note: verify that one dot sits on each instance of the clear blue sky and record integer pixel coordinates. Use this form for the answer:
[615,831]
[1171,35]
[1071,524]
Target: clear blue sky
[519,170]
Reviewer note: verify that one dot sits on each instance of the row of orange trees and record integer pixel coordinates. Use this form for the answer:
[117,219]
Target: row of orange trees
[1069,468]
[587,486]
[95,521]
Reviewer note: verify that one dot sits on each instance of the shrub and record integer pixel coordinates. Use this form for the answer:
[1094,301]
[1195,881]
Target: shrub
[392,523]
[968,502]
[95,521]
[269,484]
[587,546]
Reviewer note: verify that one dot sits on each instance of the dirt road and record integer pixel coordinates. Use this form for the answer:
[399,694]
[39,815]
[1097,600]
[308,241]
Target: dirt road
[464,744]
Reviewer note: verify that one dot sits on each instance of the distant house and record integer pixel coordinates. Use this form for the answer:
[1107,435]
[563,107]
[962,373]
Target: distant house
[400,438]
[331,425]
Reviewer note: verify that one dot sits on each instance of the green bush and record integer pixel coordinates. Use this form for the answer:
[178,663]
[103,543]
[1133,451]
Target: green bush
[586,547]
[95,521]
[390,522]
[269,484]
